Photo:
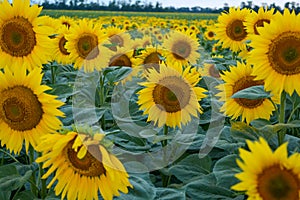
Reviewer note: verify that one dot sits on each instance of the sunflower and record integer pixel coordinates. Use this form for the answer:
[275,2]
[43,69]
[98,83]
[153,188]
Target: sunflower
[209,33]
[26,111]
[23,38]
[230,29]
[210,69]
[86,46]
[268,175]
[123,57]
[238,78]
[144,42]
[254,20]
[82,166]
[66,21]
[171,97]
[151,57]
[276,53]
[61,54]
[118,37]
[181,49]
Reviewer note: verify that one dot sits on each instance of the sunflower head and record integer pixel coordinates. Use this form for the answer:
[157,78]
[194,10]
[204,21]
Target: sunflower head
[171,97]
[26,111]
[238,78]
[276,53]
[258,19]
[85,42]
[23,35]
[275,175]
[180,49]
[86,162]
[231,30]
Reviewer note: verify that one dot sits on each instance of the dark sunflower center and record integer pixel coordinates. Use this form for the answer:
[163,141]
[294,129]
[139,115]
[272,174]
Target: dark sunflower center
[172,94]
[62,48]
[278,183]
[236,30]
[89,165]
[17,37]
[152,61]
[211,34]
[244,83]
[120,60]
[260,23]
[213,71]
[181,50]
[284,53]
[20,108]
[87,46]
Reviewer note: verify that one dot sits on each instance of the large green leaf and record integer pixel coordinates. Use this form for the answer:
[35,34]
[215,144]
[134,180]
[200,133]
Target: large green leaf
[5,195]
[225,169]
[25,195]
[114,74]
[205,188]
[142,189]
[13,182]
[170,194]
[191,167]
[254,92]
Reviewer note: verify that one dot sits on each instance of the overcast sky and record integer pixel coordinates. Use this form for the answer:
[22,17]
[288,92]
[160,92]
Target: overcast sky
[205,3]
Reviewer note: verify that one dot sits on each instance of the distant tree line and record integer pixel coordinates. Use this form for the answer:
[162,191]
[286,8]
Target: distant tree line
[138,5]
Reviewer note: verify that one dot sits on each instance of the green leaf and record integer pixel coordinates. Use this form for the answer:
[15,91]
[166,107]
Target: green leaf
[205,188]
[25,195]
[5,195]
[254,92]
[169,194]
[191,167]
[7,170]
[225,169]
[13,182]
[280,126]
[116,74]
[241,131]
[159,138]
[141,190]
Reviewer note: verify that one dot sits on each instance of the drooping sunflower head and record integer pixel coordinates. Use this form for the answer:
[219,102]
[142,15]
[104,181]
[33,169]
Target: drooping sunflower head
[26,111]
[180,49]
[258,19]
[238,78]
[275,175]
[231,30]
[276,53]
[171,97]
[86,46]
[87,164]
[23,37]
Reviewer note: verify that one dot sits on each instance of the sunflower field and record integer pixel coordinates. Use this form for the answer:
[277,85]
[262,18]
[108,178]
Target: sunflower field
[148,107]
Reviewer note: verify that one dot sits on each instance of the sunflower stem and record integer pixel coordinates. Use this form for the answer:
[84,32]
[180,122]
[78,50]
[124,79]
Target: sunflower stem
[33,186]
[52,74]
[281,133]
[102,98]
[43,181]
[165,178]
[165,141]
